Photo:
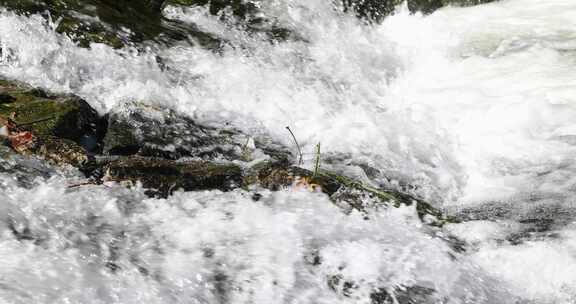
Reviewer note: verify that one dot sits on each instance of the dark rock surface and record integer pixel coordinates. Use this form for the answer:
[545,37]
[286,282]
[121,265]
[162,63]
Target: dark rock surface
[46,115]
[166,152]
[377,10]
[22,170]
[345,192]
[148,131]
[105,21]
[130,22]
[162,177]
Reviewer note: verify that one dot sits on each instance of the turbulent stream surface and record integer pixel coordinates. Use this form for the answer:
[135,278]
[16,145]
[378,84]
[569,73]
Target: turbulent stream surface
[474,108]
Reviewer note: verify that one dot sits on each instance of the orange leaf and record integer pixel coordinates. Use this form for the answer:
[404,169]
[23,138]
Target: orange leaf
[21,141]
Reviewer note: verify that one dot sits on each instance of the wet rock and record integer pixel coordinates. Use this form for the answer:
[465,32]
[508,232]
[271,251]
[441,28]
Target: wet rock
[345,192]
[429,6]
[162,177]
[116,23]
[377,10]
[131,22]
[239,8]
[24,171]
[6,98]
[405,295]
[371,10]
[534,220]
[148,131]
[46,115]
[246,14]
[425,6]
[57,151]
[166,151]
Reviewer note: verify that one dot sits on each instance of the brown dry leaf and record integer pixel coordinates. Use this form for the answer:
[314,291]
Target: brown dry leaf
[306,183]
[21,141]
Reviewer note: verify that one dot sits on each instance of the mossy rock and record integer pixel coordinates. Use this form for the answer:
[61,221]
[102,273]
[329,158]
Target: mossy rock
[105,21]
[135,145]
[62,116]
[345,192]
[85,33]
[161,177]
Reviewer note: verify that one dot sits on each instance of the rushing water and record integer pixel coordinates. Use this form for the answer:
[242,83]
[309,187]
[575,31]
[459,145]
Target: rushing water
[475,108]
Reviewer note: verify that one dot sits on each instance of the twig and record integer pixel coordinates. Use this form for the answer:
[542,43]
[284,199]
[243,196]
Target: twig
[81,184]
[317,166]
[297,146]
[245,151]
[36,121]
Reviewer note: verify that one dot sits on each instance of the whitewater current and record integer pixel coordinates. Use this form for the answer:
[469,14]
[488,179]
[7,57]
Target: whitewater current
[472,109]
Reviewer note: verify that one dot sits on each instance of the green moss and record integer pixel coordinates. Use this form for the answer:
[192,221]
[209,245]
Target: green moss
[84,33]
[340,188]
[105,21]
[47,112]
[34,110]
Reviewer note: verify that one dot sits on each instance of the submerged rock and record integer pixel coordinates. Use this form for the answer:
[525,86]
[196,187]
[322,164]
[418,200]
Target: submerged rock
[116,23]
[405,295]
[130,22]
[165,151]
[377,10]
[429,6]
[245,14]
[372,10]
[21,170]
[345,192]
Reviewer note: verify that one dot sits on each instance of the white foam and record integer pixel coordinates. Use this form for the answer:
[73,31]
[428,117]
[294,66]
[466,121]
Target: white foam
[543,271]
[469,105]
[209,246]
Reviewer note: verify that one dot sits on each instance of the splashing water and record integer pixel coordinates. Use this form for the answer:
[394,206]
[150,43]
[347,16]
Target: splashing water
[471,106]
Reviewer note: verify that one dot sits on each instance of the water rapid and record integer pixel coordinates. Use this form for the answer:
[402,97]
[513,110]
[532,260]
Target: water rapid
[472,109]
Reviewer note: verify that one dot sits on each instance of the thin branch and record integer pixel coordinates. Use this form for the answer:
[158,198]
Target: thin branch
[297,146]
